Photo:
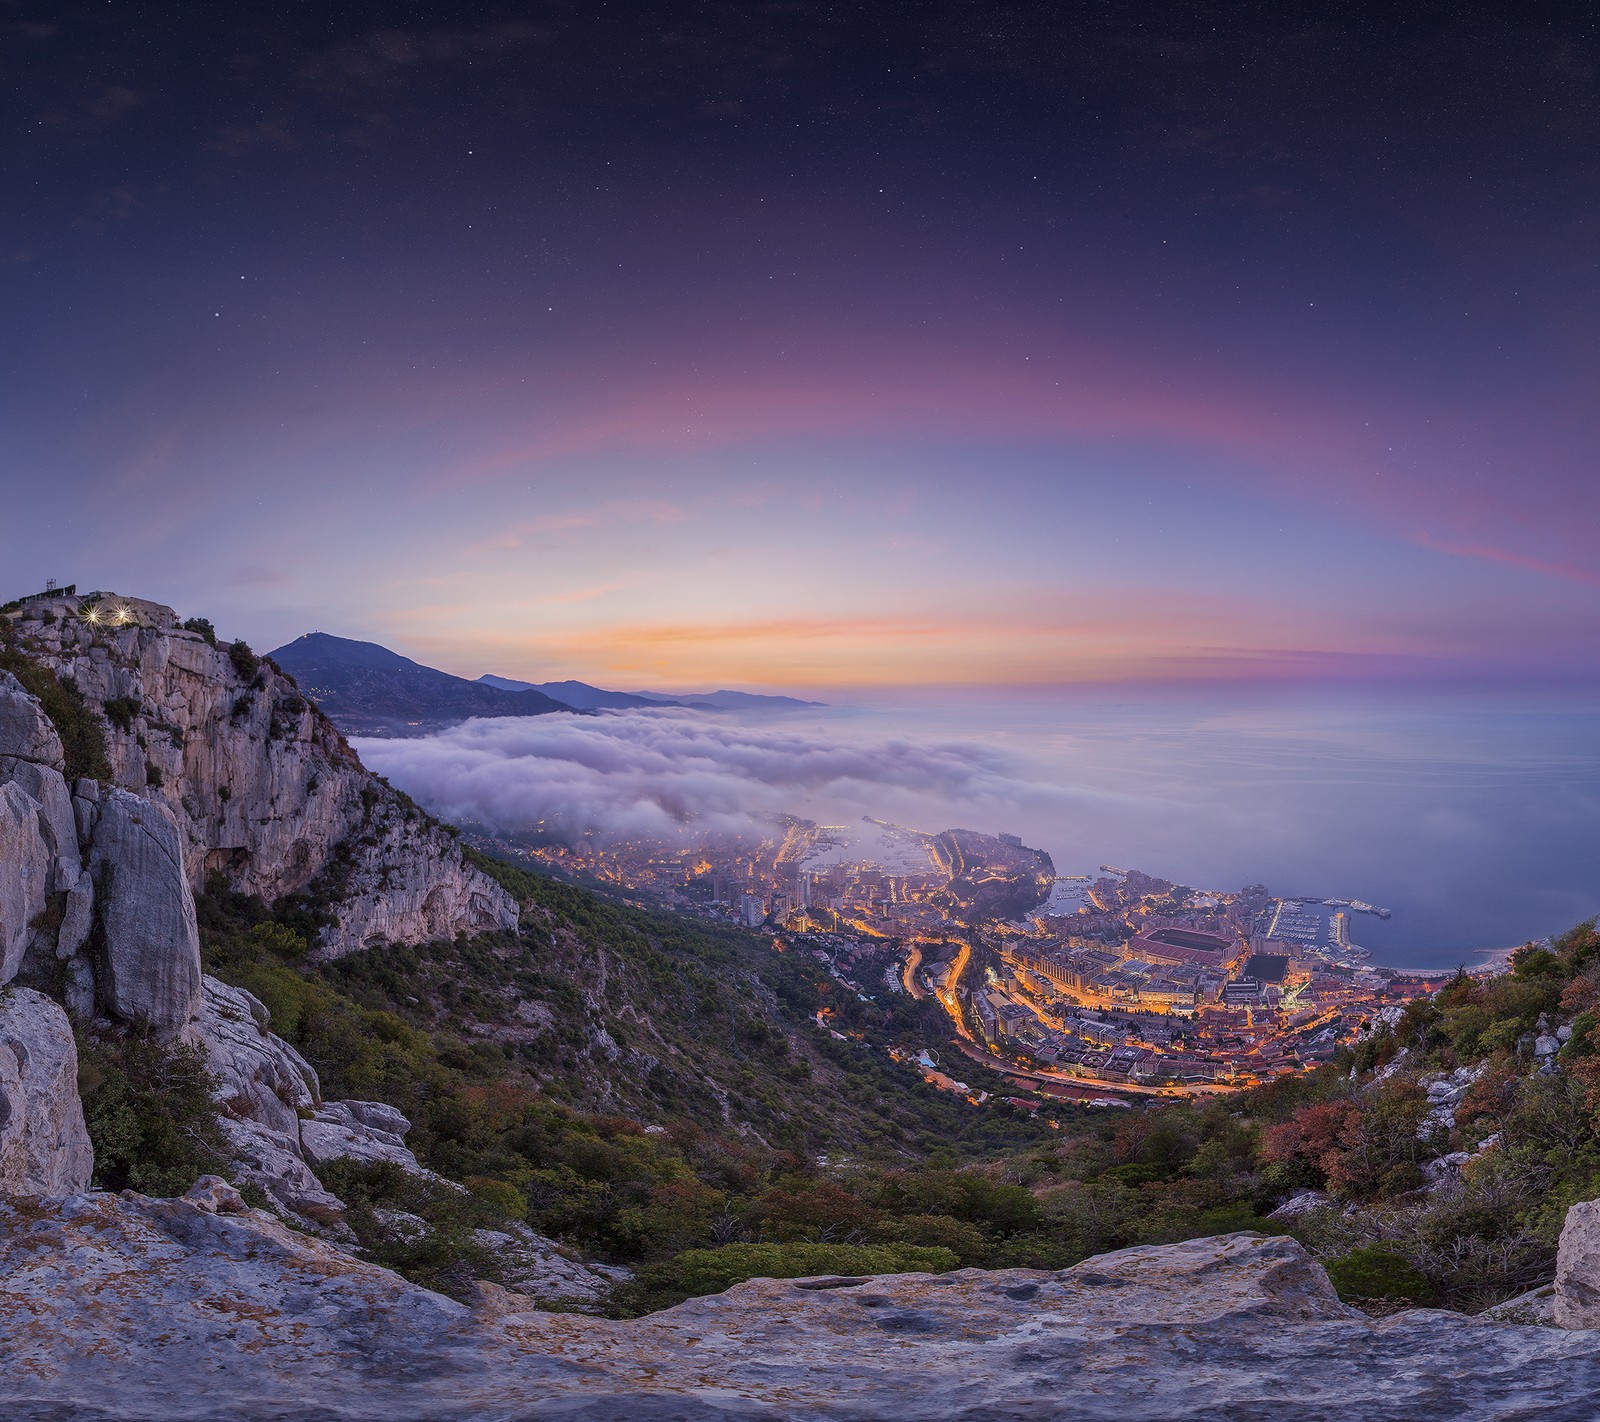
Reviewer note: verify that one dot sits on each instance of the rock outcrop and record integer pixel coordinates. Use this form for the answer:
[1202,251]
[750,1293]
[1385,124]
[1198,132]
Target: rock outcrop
[1577,1285]
[260,786]
[24,876]
[367,1131]
[279,1325]
[259,1076]
[150,955]
[44,1145]
[272,1112]
[25,731]
[96,902]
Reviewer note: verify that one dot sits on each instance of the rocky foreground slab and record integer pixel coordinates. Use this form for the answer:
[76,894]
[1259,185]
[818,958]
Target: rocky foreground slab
[122,1307]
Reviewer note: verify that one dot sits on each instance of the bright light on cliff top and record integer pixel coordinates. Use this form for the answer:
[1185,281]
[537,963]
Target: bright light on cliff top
[116,615]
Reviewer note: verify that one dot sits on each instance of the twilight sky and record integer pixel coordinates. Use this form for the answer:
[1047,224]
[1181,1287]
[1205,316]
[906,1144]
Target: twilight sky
[817,345]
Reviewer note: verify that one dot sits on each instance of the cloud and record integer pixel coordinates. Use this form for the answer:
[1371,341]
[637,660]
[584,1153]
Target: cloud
[1567,573]
[682,776]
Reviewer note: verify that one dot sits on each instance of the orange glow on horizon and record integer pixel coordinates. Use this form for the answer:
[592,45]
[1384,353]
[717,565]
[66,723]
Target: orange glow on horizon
[843,652]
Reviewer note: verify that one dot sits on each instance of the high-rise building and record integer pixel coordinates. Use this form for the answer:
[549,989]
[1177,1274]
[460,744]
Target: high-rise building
[750,910]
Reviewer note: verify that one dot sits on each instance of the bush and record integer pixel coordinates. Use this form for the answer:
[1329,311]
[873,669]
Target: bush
[150,1115]
[120,711]
[442,1254]
[203,626]
[245,662]
[1376,1272]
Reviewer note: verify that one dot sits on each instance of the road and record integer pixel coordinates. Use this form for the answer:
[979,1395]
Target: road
[909,973]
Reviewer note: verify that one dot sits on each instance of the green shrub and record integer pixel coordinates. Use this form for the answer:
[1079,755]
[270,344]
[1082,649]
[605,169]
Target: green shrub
[245,662]
[1375,1271]
[150,1115]
[120,711]
[203,626]
[443,1255]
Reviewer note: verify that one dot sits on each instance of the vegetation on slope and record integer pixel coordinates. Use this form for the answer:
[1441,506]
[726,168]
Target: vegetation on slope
[640,1085]
[655,1090]
[1360,1132]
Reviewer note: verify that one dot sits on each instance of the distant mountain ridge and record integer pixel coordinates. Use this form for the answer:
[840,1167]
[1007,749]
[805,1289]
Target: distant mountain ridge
[368,690]
[593,698]
[577,694]
[731,700]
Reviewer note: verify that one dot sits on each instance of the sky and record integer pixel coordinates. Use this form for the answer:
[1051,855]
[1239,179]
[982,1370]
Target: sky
[818,346]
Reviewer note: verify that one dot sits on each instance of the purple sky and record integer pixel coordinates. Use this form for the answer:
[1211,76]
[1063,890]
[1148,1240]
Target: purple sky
[814,345]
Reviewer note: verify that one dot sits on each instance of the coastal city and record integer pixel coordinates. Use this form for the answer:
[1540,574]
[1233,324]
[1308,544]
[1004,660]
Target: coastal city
[1095,987]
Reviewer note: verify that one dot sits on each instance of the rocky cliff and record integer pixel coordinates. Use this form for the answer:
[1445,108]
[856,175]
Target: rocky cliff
[278,1325]
[259,786]
[215,764]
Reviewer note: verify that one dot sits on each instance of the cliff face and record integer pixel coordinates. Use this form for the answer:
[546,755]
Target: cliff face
[260,786]
[218,765]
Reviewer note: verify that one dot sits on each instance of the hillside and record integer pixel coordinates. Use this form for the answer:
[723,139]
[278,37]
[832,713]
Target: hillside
[368,690]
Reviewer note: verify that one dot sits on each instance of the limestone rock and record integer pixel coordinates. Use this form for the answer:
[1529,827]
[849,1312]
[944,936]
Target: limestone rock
[1577,1299]
[263,788]
[535,1266]
[1302,1202]
[25,869]
[1536,1307]
[151,967]
[338,1132]
[257,1322]
[215,1196]
[48,787]
[44,1145]
[260,1077]
[272,1161]
[25,731]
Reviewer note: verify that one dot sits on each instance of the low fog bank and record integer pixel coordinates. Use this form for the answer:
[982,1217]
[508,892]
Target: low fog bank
[681,775]
[1474,823]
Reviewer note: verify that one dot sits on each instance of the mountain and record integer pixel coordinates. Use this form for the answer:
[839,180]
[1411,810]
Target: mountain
[369,690]
[581,694]
[730,700]
[577,694]
[260,787]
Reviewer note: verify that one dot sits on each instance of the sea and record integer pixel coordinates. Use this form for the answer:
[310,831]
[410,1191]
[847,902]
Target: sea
[1473,818]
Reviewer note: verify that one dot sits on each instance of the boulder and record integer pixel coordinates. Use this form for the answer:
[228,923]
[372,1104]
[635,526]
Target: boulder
[1577,1283]
[338,1132]
[260,1077]
[26,864]
[26,733]
[271,1160]
[48,786]
[536,1267]
[44,1144]
[1302,1202]
[151,953]
[1536,1307]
